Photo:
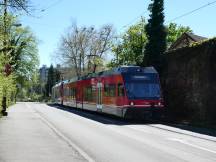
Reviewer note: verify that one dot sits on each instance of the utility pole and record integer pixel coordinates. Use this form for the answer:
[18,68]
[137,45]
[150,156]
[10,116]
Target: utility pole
[5,26]
[4,99]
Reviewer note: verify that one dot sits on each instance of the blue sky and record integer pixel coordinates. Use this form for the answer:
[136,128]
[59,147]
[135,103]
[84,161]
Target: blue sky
[49,25]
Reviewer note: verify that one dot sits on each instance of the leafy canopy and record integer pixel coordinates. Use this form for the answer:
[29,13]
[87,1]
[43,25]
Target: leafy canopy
[129,49]
[174,31]
[21,49]
[18,48]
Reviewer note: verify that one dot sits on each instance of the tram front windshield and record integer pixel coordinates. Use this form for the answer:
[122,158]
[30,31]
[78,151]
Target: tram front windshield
[142,87]
[142,90]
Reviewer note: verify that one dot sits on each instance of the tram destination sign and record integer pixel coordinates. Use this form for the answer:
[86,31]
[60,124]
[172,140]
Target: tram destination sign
[140,77]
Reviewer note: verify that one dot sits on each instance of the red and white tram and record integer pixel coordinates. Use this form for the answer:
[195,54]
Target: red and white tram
[130,91]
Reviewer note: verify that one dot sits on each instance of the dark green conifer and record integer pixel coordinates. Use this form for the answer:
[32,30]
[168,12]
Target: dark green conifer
[52,78]
[156,34]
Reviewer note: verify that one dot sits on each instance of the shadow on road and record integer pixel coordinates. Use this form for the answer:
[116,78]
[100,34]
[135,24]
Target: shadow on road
[96,116]
[113,120]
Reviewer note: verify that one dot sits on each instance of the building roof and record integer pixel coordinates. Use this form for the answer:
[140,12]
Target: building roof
[196,38]
[185,40]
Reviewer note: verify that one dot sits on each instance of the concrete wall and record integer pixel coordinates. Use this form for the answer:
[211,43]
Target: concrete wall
[189,83]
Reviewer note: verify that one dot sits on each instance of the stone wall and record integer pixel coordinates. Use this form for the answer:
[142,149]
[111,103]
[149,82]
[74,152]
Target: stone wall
[189,83]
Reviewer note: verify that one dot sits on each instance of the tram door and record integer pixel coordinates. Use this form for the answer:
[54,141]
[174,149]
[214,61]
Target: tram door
[99,96]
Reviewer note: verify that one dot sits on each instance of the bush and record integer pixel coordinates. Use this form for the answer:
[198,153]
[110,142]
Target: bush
[8,89]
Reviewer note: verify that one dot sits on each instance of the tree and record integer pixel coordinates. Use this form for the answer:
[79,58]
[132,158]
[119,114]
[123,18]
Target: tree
[31,90]
[102,44]
[156,34]
[16,5]
[7,84]
[83,48]
[52,78]
[22,52]
[129,50]
[18,50]
[174,31]
[7,81]
[73,46]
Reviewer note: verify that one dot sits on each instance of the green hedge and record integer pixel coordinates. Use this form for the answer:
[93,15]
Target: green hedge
[189,83]
[7,88]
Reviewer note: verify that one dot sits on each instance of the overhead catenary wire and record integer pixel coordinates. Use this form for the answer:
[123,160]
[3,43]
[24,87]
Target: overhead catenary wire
[43,9]
[192,11]
[51,5]
[178,17]
[133,20]
[140,15]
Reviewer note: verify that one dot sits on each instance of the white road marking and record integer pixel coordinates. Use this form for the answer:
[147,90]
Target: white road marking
[184,132]
[138,129]
[67,140]
[129,136]
[192,145]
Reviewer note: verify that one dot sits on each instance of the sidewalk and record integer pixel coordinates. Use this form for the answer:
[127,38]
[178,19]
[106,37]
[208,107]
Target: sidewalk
[24,137]
[185,132]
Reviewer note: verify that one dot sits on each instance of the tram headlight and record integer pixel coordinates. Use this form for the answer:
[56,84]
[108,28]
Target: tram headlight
[131,103]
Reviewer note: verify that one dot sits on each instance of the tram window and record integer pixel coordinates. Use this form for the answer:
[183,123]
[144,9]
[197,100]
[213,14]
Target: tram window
[112,90]
[65,91]
[121,89]
[57,92]
[106,90]
[109,90]
[73,93]
[88,94]
[68,92]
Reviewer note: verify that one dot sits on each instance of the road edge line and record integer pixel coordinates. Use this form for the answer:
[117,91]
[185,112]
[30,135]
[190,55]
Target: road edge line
[61,135]
[184,133]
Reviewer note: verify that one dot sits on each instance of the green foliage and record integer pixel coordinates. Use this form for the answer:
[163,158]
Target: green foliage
[129,51]
[196,92]
[195,44]
[156,34]
[7,85]
[174,32]
[18,48]
[25,54]
[31,90]
[21,50]
[52,79]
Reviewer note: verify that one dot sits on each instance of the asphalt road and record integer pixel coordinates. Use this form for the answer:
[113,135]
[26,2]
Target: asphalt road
[38,132]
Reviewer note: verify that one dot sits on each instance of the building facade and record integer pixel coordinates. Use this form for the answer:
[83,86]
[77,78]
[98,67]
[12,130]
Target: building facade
[43,72]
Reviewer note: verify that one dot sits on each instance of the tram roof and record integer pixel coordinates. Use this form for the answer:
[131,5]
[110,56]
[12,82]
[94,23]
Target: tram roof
[64,82]
[118,70]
